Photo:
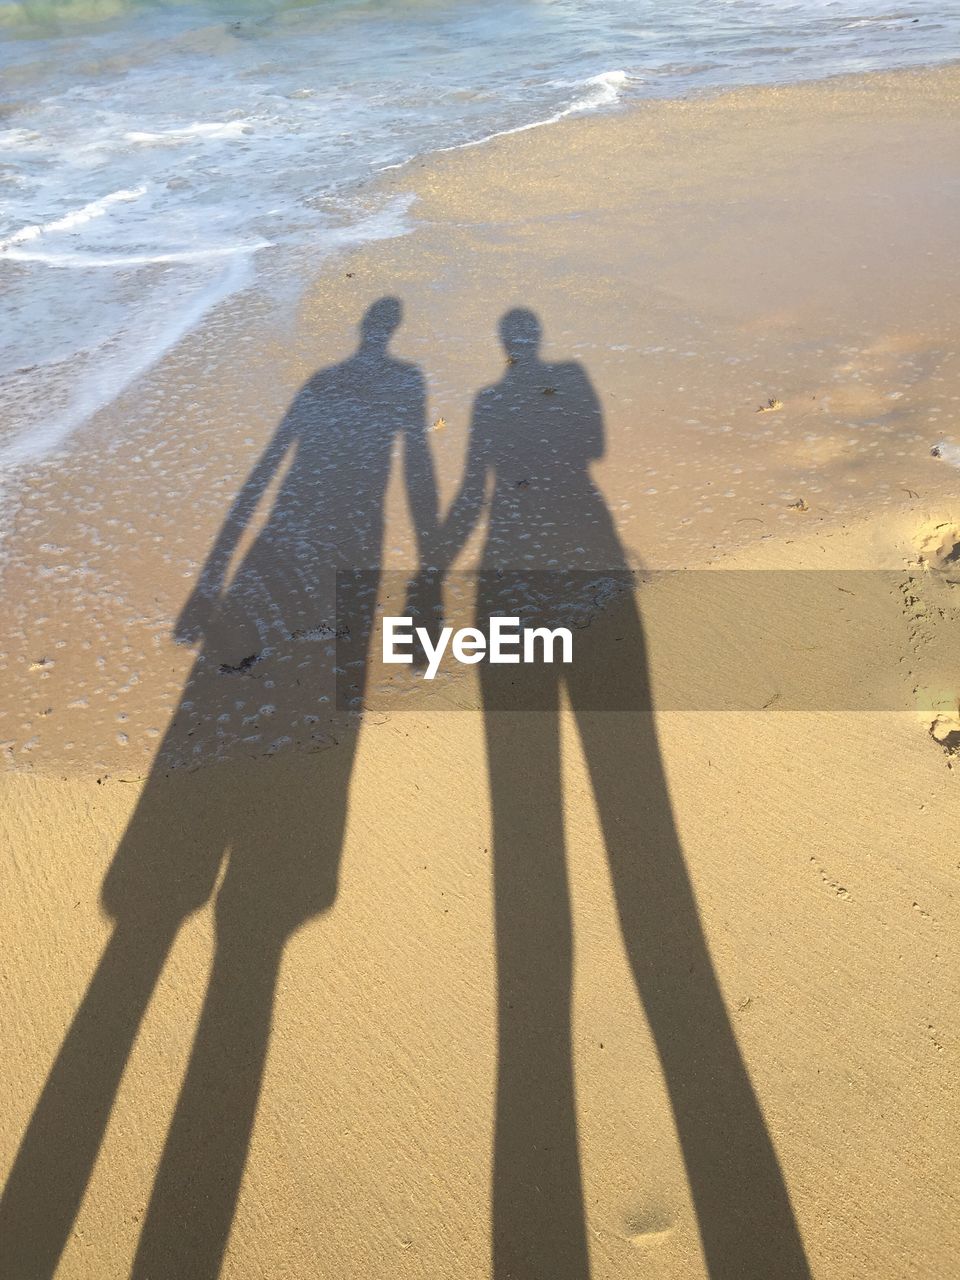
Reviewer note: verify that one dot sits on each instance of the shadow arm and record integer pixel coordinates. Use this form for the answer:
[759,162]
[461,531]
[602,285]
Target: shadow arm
[421,485]
[192,621]
[464,511]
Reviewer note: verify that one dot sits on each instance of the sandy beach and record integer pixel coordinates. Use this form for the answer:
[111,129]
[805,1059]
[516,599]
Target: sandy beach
[656,979]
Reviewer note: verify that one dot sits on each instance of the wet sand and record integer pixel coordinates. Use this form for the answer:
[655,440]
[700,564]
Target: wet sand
[734,1054]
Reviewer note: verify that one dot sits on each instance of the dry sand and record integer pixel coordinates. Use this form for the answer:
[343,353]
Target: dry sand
[699,259]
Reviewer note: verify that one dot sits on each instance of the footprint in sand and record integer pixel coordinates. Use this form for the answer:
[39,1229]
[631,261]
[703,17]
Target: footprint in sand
[945,730]
[647,1225]
[939,548]
[932,604]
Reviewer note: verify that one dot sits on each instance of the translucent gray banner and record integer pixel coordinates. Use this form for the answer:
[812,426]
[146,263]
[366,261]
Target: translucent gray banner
[689,640]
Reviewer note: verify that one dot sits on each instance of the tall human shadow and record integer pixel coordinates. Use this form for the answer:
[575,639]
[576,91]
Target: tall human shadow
[533,437]
[265,840]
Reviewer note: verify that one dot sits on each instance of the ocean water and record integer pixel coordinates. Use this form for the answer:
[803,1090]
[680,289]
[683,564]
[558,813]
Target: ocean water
[155,158]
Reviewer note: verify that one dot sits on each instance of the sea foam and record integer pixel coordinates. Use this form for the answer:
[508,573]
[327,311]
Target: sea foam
[154,156]
[71,221]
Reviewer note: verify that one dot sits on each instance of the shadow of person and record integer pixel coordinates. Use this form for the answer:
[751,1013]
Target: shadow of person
[533,437]
[265,838]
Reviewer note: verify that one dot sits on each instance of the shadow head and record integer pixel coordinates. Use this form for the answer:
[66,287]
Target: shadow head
[521,334]
[380,321]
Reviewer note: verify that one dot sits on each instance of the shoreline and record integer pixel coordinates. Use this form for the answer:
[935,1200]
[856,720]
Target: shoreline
[22,453]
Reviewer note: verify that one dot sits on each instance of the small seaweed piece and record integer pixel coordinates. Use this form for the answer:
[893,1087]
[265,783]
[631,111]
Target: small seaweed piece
[243,665]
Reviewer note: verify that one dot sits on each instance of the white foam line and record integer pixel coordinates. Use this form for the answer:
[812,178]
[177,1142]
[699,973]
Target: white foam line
[224,129]
[35,443]
[607,92]
[132,259]
[95,209]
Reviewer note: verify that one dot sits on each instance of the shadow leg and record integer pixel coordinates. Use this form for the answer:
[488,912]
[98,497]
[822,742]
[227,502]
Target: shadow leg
[747,1226]
[56,1157]
[198,1180]
[539,1231]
